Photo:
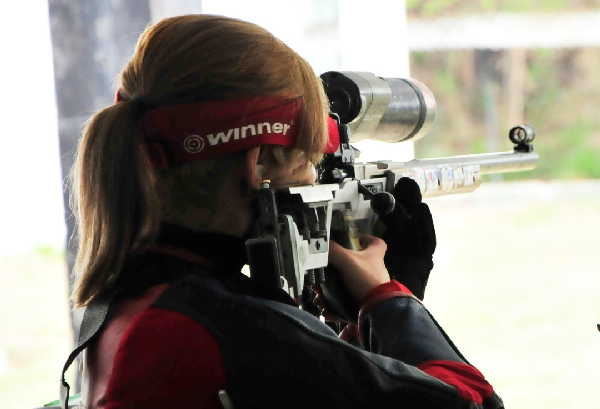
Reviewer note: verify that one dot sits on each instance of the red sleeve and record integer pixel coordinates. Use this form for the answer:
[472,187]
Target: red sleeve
[165,360]
[469,381]
[384,291]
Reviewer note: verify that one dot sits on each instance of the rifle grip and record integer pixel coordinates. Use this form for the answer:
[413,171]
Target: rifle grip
[339,302]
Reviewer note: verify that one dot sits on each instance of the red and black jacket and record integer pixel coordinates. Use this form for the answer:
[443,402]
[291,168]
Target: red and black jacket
[208,332]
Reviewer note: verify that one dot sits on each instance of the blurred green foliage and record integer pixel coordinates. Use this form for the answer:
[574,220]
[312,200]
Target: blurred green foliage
[49,252]
[560,93]
[442,8]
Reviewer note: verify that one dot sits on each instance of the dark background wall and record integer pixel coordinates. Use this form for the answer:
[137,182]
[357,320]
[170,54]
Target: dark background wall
[91,41]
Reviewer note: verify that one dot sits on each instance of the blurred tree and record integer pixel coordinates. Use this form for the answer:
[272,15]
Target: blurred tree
[555,90]
[560,94]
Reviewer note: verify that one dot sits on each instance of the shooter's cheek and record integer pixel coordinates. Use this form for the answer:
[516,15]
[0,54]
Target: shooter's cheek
[313,174]
[310,176]
[305,176]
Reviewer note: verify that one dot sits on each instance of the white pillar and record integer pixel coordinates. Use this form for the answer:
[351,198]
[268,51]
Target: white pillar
[287,20]
[160,9]
[373,38]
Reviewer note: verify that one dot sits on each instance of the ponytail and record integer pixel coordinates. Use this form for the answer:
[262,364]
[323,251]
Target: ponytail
[114,198]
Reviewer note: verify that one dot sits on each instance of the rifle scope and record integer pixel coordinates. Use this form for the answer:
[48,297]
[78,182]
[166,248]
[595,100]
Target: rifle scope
[385,109]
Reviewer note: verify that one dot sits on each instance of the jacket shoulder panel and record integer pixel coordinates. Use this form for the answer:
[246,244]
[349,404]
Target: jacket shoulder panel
[271,351]
[165,359]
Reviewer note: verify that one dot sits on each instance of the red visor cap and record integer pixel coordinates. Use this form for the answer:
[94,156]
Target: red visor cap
[181,133]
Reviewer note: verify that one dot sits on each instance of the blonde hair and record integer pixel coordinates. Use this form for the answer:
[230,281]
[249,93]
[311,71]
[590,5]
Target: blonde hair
[115,189]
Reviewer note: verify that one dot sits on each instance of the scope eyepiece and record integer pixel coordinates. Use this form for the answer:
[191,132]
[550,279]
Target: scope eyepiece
[343,94]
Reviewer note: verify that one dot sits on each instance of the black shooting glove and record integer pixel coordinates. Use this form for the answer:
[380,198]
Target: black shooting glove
[410,238]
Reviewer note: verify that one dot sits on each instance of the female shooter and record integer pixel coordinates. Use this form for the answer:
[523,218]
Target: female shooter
[165,183]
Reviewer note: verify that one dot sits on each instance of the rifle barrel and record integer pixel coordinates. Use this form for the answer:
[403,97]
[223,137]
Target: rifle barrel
[448,175]
[489,163]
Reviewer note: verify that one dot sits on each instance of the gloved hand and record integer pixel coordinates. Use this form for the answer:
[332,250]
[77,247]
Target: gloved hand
[410,238]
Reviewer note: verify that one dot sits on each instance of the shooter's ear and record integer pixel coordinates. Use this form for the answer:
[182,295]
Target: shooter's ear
[254,171]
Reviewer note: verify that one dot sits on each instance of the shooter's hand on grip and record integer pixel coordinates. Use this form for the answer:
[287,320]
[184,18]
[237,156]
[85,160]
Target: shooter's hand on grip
[363,270]
[410,238]
[350,277]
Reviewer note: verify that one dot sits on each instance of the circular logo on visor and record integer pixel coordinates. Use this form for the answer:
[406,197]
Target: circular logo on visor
[194,144]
